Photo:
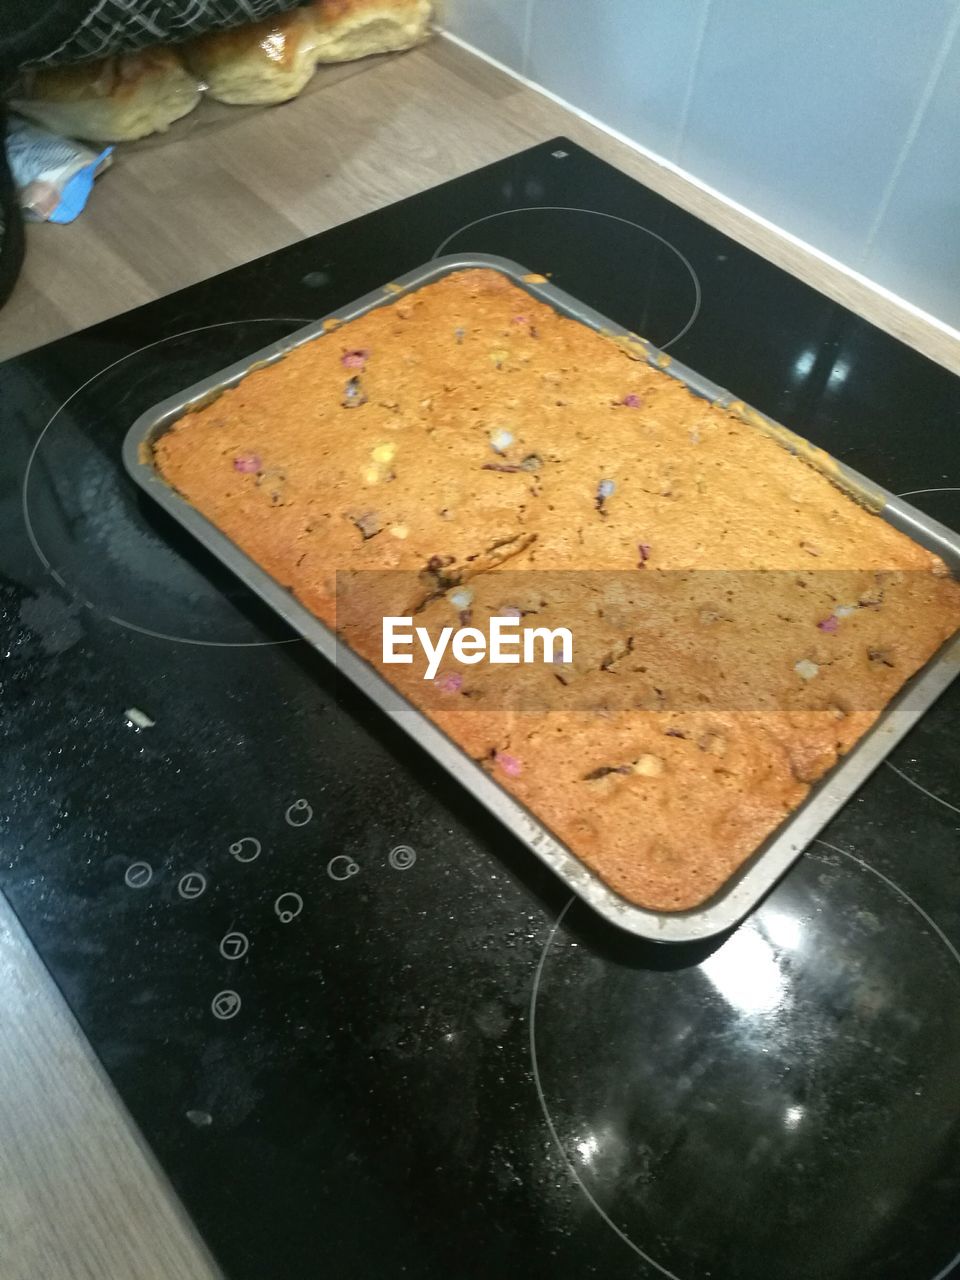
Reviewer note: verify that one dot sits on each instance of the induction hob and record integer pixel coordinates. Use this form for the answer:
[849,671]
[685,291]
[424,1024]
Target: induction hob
[362,1030]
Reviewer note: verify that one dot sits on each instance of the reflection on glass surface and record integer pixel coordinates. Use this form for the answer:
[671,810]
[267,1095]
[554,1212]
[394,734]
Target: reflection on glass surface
[588,1147]
[838,374]
[804,363]
[746,973]
[783,930]
[808,1067]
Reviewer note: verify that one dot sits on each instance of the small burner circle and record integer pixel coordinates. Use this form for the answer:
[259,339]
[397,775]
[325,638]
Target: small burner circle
[650,258]
[299,813]
[225,1005]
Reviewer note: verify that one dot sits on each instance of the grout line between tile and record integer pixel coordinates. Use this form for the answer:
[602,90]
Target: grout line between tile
[681,136]
[913,130]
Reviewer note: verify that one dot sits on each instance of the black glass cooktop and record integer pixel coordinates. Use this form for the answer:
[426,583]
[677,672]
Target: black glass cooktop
[363,1031]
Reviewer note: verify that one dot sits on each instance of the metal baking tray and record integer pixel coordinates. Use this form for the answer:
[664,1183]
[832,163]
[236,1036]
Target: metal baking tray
[739,895]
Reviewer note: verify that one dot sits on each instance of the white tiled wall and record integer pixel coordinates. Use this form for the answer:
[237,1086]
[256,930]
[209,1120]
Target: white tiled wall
[836,119]
[499,28]
[914,247]
[630,60]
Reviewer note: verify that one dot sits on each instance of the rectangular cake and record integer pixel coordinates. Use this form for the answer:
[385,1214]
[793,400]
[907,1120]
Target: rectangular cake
[466,454]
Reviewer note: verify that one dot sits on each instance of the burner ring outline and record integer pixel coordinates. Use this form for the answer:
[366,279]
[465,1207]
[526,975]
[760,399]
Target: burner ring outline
[614,217]
[942,1274]
[25,494]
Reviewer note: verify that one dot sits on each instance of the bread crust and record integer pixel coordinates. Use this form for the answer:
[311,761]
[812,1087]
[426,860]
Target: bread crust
[116,99]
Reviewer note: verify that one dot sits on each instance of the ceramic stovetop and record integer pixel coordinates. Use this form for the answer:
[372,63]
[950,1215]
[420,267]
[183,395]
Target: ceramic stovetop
[362,1030]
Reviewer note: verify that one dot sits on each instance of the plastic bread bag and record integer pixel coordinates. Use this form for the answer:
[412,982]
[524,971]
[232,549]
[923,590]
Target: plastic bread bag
[53,175]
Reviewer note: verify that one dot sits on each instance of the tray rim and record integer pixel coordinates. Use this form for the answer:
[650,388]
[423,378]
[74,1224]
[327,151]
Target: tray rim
[750,883]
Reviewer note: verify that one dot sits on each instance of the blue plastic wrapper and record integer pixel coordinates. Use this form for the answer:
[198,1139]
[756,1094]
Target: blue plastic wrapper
[53,175]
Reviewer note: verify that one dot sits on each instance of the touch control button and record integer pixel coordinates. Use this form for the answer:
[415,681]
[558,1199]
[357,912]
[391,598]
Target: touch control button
[246,849]
[299,813]
[192,885]
[287,907]
[138,875]
[234,945]
[225,1005]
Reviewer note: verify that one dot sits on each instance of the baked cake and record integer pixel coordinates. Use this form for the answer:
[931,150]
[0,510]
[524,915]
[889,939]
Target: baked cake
[466,452]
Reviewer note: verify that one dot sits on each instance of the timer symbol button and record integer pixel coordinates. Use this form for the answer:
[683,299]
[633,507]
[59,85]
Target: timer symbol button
[402,857]
[225,1005]
[192,885]
[342,867]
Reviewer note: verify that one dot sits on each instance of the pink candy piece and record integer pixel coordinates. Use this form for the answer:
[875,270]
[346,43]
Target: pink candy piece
[354,359]
[511,611]
[829,624]
[520,320]
[644,548]
[248,463]
[451,682]
[632,401]
[510,765]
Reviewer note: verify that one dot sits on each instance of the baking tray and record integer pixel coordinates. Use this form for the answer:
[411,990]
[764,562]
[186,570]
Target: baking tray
[775,856]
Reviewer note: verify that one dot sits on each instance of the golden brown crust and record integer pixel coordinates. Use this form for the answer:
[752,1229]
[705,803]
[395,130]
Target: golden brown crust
[358,28]
[330,13]
[271,61]
[739,622]
[115,99]
[113,77]
[260,62]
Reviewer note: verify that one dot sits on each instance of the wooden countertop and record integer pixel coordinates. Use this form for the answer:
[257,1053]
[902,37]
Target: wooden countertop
[231,184]
[80,1197]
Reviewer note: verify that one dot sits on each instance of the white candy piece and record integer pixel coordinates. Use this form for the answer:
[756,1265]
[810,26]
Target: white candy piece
[648,766]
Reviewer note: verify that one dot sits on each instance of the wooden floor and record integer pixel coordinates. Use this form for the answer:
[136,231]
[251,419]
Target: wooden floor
[79,1198]
[228,184]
